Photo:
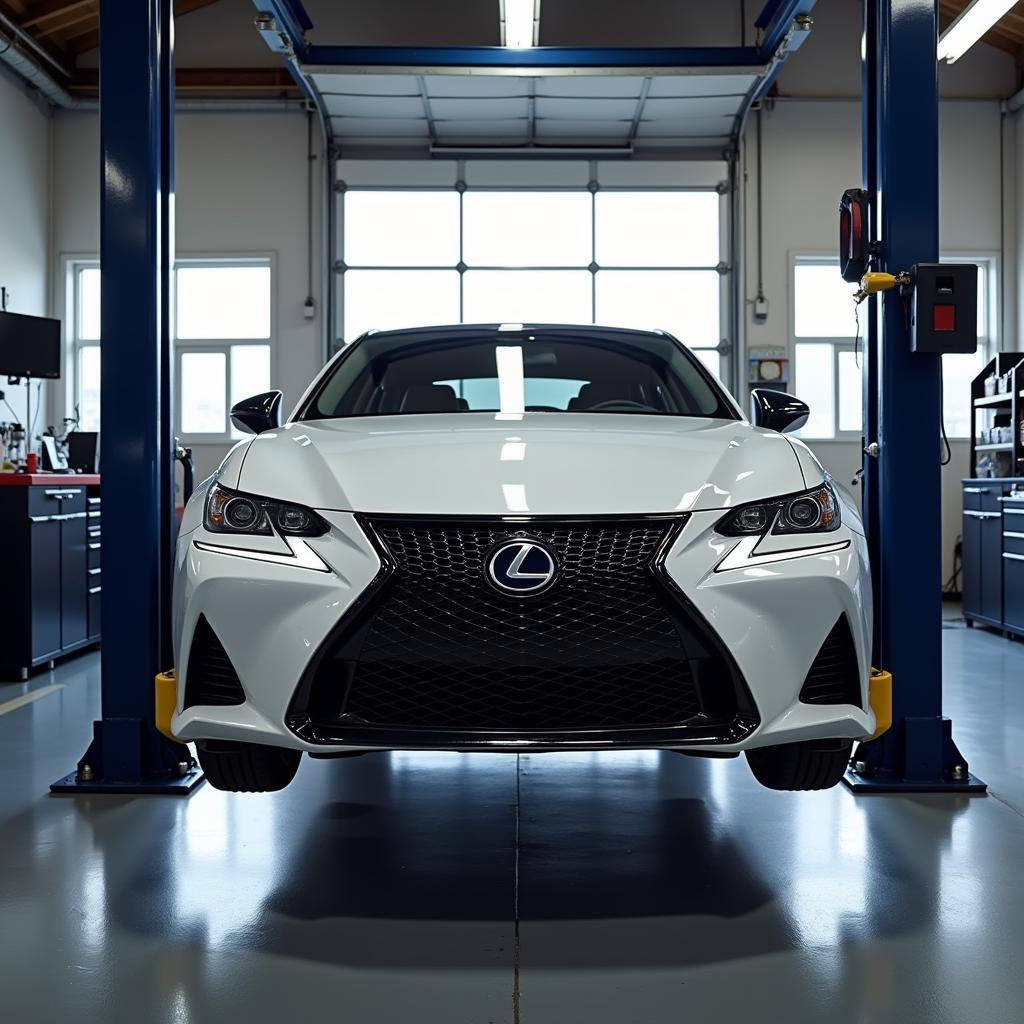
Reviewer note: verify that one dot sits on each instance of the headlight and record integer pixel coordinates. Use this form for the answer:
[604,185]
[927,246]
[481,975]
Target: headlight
[231,512]
[814,511]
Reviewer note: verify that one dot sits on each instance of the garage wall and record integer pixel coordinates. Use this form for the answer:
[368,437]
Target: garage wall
[241,190]
[24,220]
[811,153]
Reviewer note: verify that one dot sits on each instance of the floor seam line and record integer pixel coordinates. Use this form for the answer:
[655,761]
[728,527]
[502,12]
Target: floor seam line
[999,800]
[15,703]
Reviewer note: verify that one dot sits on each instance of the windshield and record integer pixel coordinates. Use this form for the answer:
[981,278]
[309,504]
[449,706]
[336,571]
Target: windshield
[386,375]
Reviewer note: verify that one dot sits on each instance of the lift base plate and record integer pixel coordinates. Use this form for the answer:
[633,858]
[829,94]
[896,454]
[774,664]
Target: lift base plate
[178,785]
[880,784]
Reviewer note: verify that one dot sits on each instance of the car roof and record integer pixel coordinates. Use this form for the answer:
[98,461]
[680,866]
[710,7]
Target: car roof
[486,330]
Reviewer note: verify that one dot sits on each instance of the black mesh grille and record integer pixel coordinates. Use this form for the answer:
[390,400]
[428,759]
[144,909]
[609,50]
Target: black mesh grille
[604,647]
[834,677]
[211,677]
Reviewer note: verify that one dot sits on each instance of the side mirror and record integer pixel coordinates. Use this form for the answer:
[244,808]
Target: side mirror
[775,410]
[259,413]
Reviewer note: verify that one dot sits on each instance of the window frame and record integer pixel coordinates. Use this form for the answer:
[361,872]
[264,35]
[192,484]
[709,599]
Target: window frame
[988,259]
[836,344]
[725,350]
[75,264]
[225,345]
[75,344]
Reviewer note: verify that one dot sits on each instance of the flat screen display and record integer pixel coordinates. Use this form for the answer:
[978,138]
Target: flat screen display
[29,346]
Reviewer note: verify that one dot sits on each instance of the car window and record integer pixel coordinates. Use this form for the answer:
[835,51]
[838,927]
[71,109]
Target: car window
[388,375]
[548,394]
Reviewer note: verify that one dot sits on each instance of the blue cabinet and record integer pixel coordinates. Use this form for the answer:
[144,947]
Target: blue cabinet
[993,553]
[50,570]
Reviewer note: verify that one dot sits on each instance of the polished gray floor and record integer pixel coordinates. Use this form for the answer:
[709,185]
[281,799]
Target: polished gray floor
[629,887]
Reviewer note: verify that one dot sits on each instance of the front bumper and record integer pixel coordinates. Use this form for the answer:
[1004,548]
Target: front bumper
[771,609]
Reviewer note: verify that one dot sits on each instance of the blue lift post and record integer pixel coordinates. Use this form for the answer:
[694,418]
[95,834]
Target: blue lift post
[127,753]
[902,410]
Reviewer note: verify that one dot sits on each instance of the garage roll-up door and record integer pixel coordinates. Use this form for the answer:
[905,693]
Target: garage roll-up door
[492,241]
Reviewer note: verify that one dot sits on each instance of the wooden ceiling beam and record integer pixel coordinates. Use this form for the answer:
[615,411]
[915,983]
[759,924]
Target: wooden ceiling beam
[1002,36]
[57,25]
[13,9]
[42,13]
[81,42]
[17,11]
[210,81]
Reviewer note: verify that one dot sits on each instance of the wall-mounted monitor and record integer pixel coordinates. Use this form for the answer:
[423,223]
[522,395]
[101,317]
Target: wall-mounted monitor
[29,346]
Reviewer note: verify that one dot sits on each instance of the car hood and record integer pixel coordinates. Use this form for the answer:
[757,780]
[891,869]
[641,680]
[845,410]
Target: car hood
[543,464]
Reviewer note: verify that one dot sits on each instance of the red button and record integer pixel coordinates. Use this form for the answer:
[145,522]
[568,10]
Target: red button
[944,318]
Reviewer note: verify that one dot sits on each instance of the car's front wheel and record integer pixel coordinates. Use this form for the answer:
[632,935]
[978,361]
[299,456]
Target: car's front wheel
[247,767]
[814,764]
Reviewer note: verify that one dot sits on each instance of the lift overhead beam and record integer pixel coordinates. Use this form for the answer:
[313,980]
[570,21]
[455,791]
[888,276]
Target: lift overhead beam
[680,98]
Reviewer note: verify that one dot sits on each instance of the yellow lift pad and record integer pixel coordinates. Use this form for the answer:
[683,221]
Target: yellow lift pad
[880,699]
[166,694]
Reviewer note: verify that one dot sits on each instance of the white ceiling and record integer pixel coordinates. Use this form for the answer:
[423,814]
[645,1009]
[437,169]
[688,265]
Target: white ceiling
[683,111]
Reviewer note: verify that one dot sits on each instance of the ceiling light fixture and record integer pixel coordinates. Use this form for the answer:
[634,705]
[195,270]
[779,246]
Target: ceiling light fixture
[970,26]
[519,23]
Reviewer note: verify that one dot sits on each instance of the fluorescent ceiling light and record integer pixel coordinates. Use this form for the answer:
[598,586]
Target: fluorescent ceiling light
[519,20]
[972,24]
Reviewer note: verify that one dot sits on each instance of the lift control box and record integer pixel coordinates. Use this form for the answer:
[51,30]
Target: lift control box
[944,310]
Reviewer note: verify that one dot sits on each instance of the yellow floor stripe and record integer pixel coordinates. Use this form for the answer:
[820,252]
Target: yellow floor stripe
[28,698]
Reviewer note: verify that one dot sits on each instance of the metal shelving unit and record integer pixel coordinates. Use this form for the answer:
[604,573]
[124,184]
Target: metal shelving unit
[1006,408]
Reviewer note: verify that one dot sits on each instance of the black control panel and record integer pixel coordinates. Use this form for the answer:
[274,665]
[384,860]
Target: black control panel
[944,311]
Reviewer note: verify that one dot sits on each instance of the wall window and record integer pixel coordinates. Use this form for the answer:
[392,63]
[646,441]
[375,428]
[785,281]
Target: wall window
[223,316]
[223,329]
[828,359]
[613,256]
[85,321]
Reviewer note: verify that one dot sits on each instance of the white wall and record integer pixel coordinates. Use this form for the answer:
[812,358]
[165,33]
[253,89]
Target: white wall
[811,154]
[24,221]
[241,188]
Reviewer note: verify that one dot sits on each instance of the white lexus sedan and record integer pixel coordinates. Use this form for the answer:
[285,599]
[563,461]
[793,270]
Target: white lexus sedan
[521,538]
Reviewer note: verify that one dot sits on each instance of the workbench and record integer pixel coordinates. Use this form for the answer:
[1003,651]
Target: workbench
[51,582]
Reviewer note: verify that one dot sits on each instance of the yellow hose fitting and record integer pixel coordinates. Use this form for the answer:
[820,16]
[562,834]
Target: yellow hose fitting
[875,281]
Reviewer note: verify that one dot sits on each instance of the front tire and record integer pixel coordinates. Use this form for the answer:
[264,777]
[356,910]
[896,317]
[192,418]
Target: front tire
[815,764]
[247,767]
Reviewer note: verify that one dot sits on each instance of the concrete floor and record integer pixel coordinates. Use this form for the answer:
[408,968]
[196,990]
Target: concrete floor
[632,887]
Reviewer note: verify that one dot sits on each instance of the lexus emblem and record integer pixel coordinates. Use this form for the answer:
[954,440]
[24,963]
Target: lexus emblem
[522,567]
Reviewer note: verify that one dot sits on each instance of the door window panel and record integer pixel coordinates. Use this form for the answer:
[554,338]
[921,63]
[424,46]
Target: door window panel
[405,229]
[527,296]
[389,299]
[657,229]
[685,303]
[527,229]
